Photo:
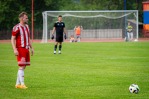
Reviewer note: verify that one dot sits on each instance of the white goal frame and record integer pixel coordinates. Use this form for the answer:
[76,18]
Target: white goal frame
[45,23]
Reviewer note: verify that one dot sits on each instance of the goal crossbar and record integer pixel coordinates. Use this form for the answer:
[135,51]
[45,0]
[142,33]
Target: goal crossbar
[49,17]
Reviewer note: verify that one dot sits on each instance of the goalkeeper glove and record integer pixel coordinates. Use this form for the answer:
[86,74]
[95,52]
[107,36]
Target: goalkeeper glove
[52,37]
[65,36]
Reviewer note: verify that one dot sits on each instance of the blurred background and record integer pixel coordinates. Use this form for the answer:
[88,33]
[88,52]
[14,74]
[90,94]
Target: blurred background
[9,10]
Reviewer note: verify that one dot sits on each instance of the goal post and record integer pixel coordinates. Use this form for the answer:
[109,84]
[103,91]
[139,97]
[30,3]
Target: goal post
[106,24]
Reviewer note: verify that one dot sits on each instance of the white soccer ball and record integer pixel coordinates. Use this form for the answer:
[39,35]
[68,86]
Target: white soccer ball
[136,40]
[134,88]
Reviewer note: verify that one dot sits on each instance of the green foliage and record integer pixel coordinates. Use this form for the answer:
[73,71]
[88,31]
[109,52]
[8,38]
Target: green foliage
[82,71]
[10,9]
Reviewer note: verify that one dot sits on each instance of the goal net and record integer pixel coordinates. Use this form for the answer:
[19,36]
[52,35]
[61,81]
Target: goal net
[109,24]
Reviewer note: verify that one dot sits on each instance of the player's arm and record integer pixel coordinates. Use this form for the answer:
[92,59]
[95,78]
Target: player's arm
[81,27]
[13,42]
[31,47]
[75,28]
[53,30]
[53,33]
[65,32]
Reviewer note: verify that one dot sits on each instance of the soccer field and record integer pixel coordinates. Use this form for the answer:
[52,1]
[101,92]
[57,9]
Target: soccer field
[82,71]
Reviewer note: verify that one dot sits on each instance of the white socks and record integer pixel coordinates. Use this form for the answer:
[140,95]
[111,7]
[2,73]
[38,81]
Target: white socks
[18,80]
[20,77]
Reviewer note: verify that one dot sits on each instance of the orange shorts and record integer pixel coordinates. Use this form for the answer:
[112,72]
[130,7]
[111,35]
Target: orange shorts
[23,57]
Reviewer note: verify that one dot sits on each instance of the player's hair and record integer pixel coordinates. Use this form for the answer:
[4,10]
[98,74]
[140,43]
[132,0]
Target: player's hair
[60,16]
[22,14]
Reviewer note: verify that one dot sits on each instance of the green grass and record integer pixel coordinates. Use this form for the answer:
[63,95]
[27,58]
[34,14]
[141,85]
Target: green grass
[82,71]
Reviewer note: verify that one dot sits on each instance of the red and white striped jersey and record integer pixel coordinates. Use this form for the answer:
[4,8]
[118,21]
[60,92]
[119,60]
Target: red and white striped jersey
[22,34]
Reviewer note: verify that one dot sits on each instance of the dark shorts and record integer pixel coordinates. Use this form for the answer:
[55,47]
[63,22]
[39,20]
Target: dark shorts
[59,38]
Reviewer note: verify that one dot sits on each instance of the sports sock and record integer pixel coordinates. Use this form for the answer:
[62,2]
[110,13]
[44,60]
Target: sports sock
[21,76]
[60,47]
[18,80]
[55,47]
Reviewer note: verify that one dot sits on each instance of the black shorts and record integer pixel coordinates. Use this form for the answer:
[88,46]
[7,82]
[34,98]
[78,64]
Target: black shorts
[59,38]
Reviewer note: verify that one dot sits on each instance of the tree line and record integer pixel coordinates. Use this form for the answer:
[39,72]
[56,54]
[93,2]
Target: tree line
[9,9]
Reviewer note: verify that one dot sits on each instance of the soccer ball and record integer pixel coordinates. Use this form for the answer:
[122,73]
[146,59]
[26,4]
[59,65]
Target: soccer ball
[136,40]
[134,88]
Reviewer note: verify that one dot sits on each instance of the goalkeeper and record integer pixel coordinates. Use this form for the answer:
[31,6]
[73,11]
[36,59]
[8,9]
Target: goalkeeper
[129,32]
[59,27]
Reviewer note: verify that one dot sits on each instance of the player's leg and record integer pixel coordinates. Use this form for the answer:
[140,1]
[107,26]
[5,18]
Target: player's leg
[55,47]
[60,40]
[131,36]
[60,47]
[22,68]
[56,43]
[21,74]
[20,78]
[78,38]
[18,83]
[23,60]
[128,35]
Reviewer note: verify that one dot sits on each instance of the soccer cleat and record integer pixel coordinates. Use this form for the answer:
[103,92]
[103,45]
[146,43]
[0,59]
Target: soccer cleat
[59,52]
[23,87]
[18,86]
[54,52]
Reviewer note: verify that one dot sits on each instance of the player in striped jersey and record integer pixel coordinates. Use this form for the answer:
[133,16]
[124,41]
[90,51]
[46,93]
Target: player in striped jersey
[21,44]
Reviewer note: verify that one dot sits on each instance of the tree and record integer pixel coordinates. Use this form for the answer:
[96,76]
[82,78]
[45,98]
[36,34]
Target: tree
[10,9]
